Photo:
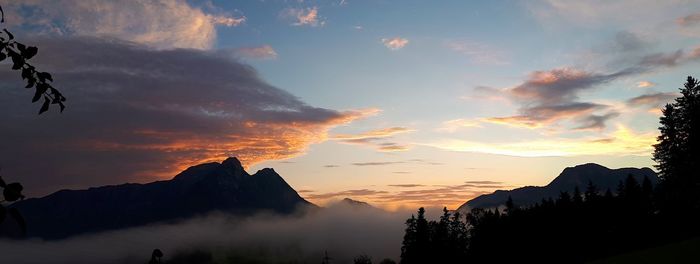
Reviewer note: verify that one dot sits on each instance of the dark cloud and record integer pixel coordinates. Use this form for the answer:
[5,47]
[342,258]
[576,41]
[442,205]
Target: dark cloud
[559,85]
[652,100]
[596,122]
[483,182]
[136,114]
[345,194]
[406,185]
[547,97]
[542,115]
[663,59]
[550,96]
[331,166]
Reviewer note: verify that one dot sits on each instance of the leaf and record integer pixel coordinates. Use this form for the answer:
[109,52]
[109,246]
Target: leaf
[26,73]
[62,106]
[20,220]
[13,192]
[41,88]
[45,106]
[20,47]
[2,15]
[9,34]
[17,60]
[43,76]
[30,82]
[37,94]
[2,56]
[30,52]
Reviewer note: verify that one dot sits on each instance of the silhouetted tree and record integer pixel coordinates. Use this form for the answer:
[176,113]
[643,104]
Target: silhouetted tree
[591,193]
[156,256]
[326,259]
[20,54]
[678,151]
[387,261]
[510,206]
[12,192]
[362,259]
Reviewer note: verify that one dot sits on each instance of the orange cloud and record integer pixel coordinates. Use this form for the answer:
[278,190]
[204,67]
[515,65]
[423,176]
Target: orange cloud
[395,43]
[304,16]
[154,113]
[645,84]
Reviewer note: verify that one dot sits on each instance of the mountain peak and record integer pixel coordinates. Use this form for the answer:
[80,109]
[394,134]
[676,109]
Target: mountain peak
[232,162]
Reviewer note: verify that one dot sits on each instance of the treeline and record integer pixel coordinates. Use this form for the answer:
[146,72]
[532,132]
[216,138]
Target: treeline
[580,226]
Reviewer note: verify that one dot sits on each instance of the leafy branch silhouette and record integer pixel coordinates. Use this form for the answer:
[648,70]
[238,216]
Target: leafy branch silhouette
[12,192]
[41,81]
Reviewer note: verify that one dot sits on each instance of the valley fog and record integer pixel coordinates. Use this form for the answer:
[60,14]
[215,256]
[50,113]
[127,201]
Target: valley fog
[344,231]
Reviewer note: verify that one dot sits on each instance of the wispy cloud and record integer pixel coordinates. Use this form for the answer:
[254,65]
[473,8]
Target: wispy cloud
[477,52]
[261,52]
[377,163]
[378,139]
[395,43]
[456,124]
[415,194]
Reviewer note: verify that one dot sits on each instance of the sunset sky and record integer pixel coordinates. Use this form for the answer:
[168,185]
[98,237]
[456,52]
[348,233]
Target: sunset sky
[397,103]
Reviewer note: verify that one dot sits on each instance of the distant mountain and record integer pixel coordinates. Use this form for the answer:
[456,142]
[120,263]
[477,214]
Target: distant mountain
[198,190]
[355,203]
[604,178]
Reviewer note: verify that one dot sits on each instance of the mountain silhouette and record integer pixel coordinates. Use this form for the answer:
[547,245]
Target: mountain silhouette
[198,190]
[602,177]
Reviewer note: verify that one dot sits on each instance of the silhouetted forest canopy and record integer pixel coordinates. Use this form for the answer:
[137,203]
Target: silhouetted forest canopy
[583,225]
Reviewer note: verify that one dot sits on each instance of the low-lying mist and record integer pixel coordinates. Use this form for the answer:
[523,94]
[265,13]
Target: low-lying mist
[344,231]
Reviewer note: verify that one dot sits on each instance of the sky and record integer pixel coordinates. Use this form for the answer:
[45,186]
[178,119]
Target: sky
[397,103]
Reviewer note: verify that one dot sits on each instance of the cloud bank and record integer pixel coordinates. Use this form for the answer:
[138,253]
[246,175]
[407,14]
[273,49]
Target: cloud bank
[162,24]
[342,230]
[136,113]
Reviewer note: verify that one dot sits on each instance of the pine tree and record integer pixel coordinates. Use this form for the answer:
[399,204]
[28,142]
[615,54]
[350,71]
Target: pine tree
[577,199]
[408,248]
[591,193]
[678,151]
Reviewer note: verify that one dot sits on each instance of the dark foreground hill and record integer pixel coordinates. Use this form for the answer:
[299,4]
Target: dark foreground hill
[198,190]
[604,178]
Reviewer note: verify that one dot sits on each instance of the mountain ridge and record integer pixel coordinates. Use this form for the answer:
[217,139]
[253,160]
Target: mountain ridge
[198,190]
[570,177]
